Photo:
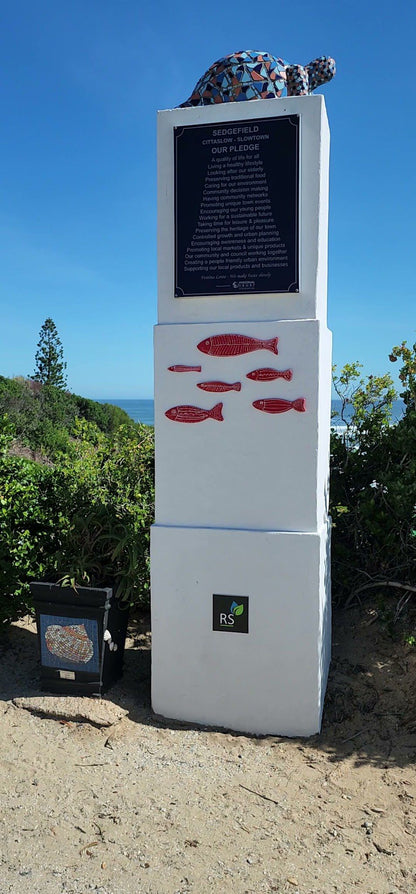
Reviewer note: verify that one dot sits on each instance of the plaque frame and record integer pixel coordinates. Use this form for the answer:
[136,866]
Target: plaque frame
[280,181]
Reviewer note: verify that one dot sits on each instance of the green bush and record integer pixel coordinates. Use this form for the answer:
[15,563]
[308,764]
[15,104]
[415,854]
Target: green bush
[31,520]
[373,489]
[111,483]
[108,417]
[86,517]
[17,401]
[44,416]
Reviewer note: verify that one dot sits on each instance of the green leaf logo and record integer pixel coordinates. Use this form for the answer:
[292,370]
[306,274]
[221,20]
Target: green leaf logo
[238,610]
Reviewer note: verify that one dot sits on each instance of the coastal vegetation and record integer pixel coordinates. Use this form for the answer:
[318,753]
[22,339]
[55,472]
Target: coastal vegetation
[76,494]
[373,489]
[77,491]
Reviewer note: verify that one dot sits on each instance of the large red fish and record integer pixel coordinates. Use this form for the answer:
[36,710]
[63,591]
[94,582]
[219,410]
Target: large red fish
[231,345]
[194,414]
[219,386]
[278,405]
[267,374]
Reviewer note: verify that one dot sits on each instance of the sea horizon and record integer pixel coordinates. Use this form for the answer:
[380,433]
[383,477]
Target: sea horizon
[139,409]
[142,410]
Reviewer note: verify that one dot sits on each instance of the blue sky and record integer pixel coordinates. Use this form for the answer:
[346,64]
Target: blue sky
[81,83]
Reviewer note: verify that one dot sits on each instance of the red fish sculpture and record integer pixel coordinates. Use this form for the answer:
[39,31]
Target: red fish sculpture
[178,368]
[219,386]
[194,414]
[278,405]
[231,345]
[267,374]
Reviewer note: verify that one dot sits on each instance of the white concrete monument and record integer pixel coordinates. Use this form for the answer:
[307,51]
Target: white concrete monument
[240,545]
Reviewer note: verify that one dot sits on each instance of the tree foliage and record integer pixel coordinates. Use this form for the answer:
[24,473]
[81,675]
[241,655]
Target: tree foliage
[373,485]
[84,508]
[44,417]
[32,516]
[49,358]
[110,480]
[407,374]
[85,517]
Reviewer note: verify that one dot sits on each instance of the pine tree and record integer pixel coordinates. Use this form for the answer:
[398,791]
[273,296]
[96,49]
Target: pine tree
[49,358]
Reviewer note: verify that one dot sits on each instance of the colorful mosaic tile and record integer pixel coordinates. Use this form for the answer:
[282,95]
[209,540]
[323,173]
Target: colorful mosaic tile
[70,643]
[250,74]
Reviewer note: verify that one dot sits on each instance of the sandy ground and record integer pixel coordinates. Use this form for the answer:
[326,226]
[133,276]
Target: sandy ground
[166,808]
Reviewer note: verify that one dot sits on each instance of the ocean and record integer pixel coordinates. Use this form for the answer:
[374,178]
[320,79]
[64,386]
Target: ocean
[143,410]
[397,412]
[139,410]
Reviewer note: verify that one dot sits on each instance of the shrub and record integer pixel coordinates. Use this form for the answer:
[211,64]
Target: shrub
[44,416]
[111,482]
[16,400]
[87,516]
[407,374]
[108,417]
[31,520]
[373,490]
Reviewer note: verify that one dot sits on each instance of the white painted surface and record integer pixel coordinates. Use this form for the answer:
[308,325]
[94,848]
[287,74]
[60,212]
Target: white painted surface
[269,681]
[254,470]
[310,302]
[325,608]
[241,505]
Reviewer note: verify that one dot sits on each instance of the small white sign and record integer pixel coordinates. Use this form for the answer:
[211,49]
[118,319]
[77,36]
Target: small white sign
[67,675]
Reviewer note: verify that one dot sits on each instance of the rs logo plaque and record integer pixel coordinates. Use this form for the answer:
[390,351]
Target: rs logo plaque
[230,613]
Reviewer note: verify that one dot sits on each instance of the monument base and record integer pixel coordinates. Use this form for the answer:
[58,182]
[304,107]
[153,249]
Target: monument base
[241,628]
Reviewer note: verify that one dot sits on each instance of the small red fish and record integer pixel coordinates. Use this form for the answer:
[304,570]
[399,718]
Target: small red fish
[267,374]
[278,405]
[219,386]
[194,414]
[231,345]
[184,369]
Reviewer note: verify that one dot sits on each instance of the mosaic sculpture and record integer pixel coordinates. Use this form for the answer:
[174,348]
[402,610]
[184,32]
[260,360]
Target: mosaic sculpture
[250,74]
[70,642]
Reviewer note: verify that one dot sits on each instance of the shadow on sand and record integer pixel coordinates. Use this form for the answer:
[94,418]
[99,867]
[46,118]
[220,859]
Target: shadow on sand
[370,706]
